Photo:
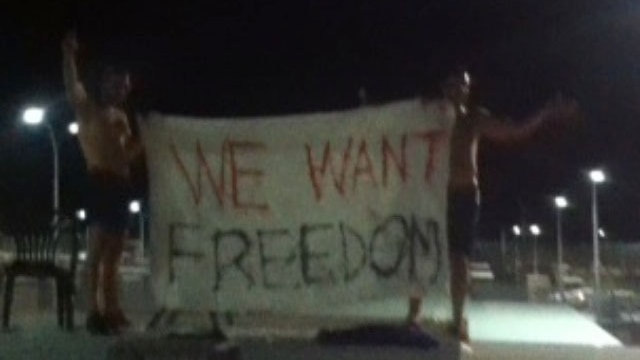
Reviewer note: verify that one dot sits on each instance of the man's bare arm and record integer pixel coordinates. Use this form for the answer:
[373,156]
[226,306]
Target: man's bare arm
[75,90]
[505,131]
[132,146]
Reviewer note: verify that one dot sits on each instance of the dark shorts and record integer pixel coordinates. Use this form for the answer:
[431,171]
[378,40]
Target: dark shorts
[108,202]
[462,217]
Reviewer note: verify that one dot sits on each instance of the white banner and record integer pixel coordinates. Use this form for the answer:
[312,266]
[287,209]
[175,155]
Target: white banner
[300,211]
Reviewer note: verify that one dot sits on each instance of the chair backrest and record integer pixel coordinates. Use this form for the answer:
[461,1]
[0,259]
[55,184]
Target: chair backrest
[68,241]
[36,247]
[44,245]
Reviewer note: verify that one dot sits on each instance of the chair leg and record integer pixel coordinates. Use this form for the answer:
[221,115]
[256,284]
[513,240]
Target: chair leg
[69,305]
[70,313]
[8,299]
[60,300]
[155,320]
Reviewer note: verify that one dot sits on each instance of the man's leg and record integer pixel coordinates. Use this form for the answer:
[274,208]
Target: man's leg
[461,222]
[459,287]
[415,309]
[111,288]
[96,247]
[113,310]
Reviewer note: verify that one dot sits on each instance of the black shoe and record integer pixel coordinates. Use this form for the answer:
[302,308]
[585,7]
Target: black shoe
[96,324]
[116,323]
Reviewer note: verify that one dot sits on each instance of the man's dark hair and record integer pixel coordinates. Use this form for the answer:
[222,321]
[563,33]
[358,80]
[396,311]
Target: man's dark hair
[455,72]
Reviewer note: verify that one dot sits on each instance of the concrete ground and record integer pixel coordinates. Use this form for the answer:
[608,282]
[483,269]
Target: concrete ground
[500,330]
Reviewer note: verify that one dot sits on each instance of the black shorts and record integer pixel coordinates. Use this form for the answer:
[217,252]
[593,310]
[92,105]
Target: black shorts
[108,202]
[462,218]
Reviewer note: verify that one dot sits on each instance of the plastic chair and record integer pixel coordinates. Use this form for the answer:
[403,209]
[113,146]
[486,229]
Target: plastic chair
[39,254]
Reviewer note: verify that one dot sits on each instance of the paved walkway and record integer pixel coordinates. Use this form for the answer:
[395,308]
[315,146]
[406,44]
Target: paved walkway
[501,330]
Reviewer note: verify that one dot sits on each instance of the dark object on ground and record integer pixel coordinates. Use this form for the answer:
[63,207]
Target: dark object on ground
[379,335]
[96,325]
[38,255]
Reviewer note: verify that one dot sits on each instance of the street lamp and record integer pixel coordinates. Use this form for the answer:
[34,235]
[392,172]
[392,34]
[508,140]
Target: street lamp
[135,207]
[81,214]
[535,231]
[34,116]
[561,203]
[517,232]
[596,176]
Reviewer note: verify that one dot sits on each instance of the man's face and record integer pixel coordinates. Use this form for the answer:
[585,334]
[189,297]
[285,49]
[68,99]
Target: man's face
[456,89]
[115,87]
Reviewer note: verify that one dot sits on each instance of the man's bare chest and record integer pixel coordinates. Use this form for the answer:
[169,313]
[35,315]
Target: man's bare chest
[105,123]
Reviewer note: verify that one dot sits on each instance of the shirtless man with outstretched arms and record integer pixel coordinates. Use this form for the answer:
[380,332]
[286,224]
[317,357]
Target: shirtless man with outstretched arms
[108,148]
[473,124]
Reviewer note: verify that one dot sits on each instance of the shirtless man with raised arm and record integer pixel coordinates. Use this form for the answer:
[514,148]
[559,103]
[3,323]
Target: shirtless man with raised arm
[471,125]
[108,148]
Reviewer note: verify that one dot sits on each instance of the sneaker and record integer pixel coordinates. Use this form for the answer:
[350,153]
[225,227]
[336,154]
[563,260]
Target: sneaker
[461,332]
[465,350]
[116,321]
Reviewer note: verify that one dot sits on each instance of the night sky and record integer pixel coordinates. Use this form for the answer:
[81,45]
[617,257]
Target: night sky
[249,57]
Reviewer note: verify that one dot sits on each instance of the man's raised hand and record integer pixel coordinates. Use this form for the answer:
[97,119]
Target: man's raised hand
[562,109]
[75,91]
[70,43]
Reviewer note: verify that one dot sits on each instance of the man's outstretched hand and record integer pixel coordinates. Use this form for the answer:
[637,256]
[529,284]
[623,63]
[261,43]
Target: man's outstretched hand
[70,43]
[562,109]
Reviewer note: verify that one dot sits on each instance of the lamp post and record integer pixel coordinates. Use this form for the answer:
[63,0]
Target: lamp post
[517,232]
[535,231]
[561,203]
[596,176]
[81,215]
[34,116]
[135,207]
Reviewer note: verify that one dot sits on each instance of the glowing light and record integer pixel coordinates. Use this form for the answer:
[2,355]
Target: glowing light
[597,176]
[134,206]
[561,202]
[535,229]
[74,128]
[33,116]
[516,230]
